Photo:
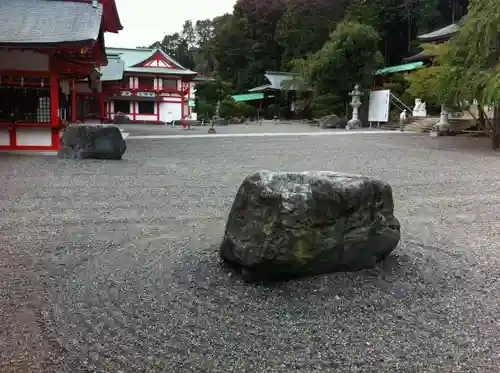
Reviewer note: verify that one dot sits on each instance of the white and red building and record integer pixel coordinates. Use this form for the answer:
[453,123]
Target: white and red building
[47,49]
[147,85]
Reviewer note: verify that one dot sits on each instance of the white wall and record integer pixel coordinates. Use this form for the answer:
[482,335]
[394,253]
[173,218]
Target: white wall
[23,60]
[171,97]
[27,137]
[4,136]
[148,117]
[134,82]
[170,111]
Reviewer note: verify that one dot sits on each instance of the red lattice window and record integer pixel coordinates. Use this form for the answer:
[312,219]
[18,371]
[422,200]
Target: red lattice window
[24,99]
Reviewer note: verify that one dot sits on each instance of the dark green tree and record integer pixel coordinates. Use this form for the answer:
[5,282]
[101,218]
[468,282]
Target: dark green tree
[349,57]
[233,52]
[305,27]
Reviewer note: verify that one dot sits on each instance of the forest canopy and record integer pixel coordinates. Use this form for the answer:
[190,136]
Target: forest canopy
[262,35]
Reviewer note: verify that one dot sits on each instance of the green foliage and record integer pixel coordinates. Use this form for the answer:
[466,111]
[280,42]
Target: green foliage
[245,110]
[232,50]
[227,108]
[423,83]
[212,91]
[230,108]
[262,35]
[305,27]
[327,104]
[203,56]
[475,52]
[204,110]
[349,57]
[466,67]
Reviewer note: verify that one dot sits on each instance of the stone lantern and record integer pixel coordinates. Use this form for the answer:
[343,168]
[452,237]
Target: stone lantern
[354,122]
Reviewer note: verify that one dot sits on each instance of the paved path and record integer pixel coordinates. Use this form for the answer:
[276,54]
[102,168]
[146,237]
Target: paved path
[143,130]
[112,266]
[262,134]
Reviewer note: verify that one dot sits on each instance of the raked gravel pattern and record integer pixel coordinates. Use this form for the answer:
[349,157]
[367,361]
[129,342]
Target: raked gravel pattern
[113,266]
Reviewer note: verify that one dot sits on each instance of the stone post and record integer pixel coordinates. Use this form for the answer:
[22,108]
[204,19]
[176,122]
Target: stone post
[444,124]
[354,122]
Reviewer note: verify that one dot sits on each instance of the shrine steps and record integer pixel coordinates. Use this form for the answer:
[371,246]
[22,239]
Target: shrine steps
[425,125]
[421,125]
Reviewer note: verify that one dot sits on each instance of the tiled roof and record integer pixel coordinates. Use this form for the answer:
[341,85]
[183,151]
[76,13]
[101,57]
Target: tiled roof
[280,80]
[114,70]
[132,57]
[261,88]
[40,23]
[420,56]
[439,35]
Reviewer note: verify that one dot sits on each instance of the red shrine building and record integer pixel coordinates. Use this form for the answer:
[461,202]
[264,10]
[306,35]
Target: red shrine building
[147,86]
[48,49]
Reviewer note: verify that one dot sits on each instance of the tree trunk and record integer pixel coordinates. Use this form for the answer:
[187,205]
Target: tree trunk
[482,117]
[495,127]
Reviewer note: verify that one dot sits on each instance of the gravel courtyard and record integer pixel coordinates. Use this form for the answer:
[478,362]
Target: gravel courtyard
[112,267]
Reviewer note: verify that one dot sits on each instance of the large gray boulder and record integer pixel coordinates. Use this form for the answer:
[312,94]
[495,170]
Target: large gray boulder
[329,121]
[284,225]
[98,141]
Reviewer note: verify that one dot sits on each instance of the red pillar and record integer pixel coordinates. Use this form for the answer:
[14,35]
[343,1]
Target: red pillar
[73,101]
[54,104]
[183,98]
[101,106]
[54,99]
[182,105]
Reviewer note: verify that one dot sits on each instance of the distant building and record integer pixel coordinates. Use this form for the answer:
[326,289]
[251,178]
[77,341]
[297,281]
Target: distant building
[434,37]
[419,60]
[280,91]
[147,85]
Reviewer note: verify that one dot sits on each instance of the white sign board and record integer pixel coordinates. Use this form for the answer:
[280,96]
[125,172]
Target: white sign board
[378,110]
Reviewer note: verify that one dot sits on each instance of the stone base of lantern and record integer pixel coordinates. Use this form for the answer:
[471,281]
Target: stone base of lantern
[353,124]
[443,127]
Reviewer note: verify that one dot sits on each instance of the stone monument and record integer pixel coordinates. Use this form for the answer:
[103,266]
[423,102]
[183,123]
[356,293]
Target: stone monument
[354,122]
[420,109]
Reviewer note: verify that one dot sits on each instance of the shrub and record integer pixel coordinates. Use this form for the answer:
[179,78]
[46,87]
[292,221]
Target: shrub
[327,104]
[227,107]
[205,110]
[245,110]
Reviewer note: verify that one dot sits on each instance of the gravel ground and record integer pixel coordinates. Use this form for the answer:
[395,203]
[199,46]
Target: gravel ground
[113,266]
[266,126]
